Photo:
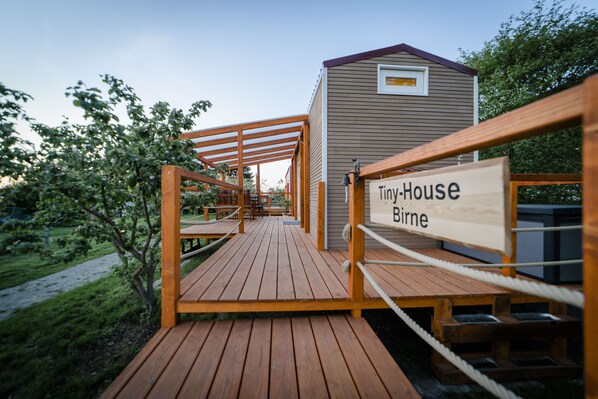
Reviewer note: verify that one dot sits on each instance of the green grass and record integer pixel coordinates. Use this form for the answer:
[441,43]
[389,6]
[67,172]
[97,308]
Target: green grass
[19,269]
[74,345]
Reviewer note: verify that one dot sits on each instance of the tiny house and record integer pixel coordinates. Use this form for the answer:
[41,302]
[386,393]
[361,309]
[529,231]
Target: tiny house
[373,105]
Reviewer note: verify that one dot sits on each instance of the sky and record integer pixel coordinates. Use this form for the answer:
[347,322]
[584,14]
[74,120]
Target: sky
[253,60]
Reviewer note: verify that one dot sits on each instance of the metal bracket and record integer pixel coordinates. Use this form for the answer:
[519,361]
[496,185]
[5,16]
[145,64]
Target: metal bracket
[356,170]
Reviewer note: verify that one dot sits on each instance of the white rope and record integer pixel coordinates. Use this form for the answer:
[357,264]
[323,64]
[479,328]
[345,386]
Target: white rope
[346,234]
[515,230]
[488,265]
[187,221]
[551,292]
[491,385]
[550,228]
[200,250]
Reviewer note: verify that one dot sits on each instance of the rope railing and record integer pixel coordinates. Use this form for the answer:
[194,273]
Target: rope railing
[200,250]
[543,229]
[477,265]
[559,294]
[515,230]
[202,222]
[492,386]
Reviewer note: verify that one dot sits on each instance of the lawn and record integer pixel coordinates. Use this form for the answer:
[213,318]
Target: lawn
[74,345]
[19,269]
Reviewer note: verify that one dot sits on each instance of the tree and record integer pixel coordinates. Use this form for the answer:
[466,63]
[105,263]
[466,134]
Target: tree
[536,54]
[15,153]
[110,172]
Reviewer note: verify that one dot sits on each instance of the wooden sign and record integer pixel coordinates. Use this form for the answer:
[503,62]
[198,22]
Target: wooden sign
[465,204]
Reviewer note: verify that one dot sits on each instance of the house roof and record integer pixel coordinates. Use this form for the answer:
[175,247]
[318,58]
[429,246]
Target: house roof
[397,49]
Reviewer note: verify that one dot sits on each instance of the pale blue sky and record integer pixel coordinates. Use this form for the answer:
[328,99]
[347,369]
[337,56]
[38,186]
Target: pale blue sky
[252,59]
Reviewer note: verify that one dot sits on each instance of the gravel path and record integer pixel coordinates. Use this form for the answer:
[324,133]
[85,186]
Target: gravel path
[39,290]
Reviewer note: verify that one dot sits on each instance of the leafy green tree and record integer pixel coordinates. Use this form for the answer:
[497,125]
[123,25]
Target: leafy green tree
[110,172]
[536,54]
[15,153]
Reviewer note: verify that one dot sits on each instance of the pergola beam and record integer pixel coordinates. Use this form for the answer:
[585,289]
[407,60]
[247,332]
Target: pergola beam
[261,161]
[244,126]
[233,150]
[248,136]
[253,153]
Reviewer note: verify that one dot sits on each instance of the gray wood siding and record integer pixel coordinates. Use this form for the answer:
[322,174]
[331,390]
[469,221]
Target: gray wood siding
[315,158]
[374,126]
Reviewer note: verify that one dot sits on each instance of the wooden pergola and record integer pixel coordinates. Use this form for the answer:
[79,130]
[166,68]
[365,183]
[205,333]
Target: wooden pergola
[257,143]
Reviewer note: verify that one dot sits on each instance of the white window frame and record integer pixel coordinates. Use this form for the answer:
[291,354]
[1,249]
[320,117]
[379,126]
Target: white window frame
[422,85]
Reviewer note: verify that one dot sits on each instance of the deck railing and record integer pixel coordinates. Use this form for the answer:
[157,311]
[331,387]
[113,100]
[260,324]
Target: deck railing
[171,234]
[573,107]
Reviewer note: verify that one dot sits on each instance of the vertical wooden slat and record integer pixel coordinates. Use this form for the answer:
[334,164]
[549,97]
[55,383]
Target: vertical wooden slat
[501,349]
[305,166]
[590,235]
[258,183]
[171,244]
[443,309]
[512,271]
[294,184]
[240,181]
[302,180]
[321,214]
[206,213]
[357,242]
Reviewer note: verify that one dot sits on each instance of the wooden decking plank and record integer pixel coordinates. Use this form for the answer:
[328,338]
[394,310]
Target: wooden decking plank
[335,287]
[425,274]
[338,378]
[389,283]
[251,288]
[251,263]
[175,374]
[225,271]
[198,276]
[284,282]
[153,366]
[300,282]
[124,377]
[393,378]
[316,282]
[199,380]
[310,376]
[255,380]
[283,376]
[268,286]
[227,380]
[364,375]
[468,285]
[481,287]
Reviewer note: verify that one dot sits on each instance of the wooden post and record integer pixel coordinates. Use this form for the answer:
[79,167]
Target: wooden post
[171,244]
[321,214]
[305,166]
[294,184]
[590,235]
[443,310]
[501,306]
[301,181]
[206,213]
[258,183]
[240,179]
[357,242]
[512,271]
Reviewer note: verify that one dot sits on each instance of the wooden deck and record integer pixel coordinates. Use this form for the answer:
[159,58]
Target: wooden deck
[275,266]
[315,357]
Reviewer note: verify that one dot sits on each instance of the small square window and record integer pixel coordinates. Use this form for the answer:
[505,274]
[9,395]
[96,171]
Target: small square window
[403,80]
